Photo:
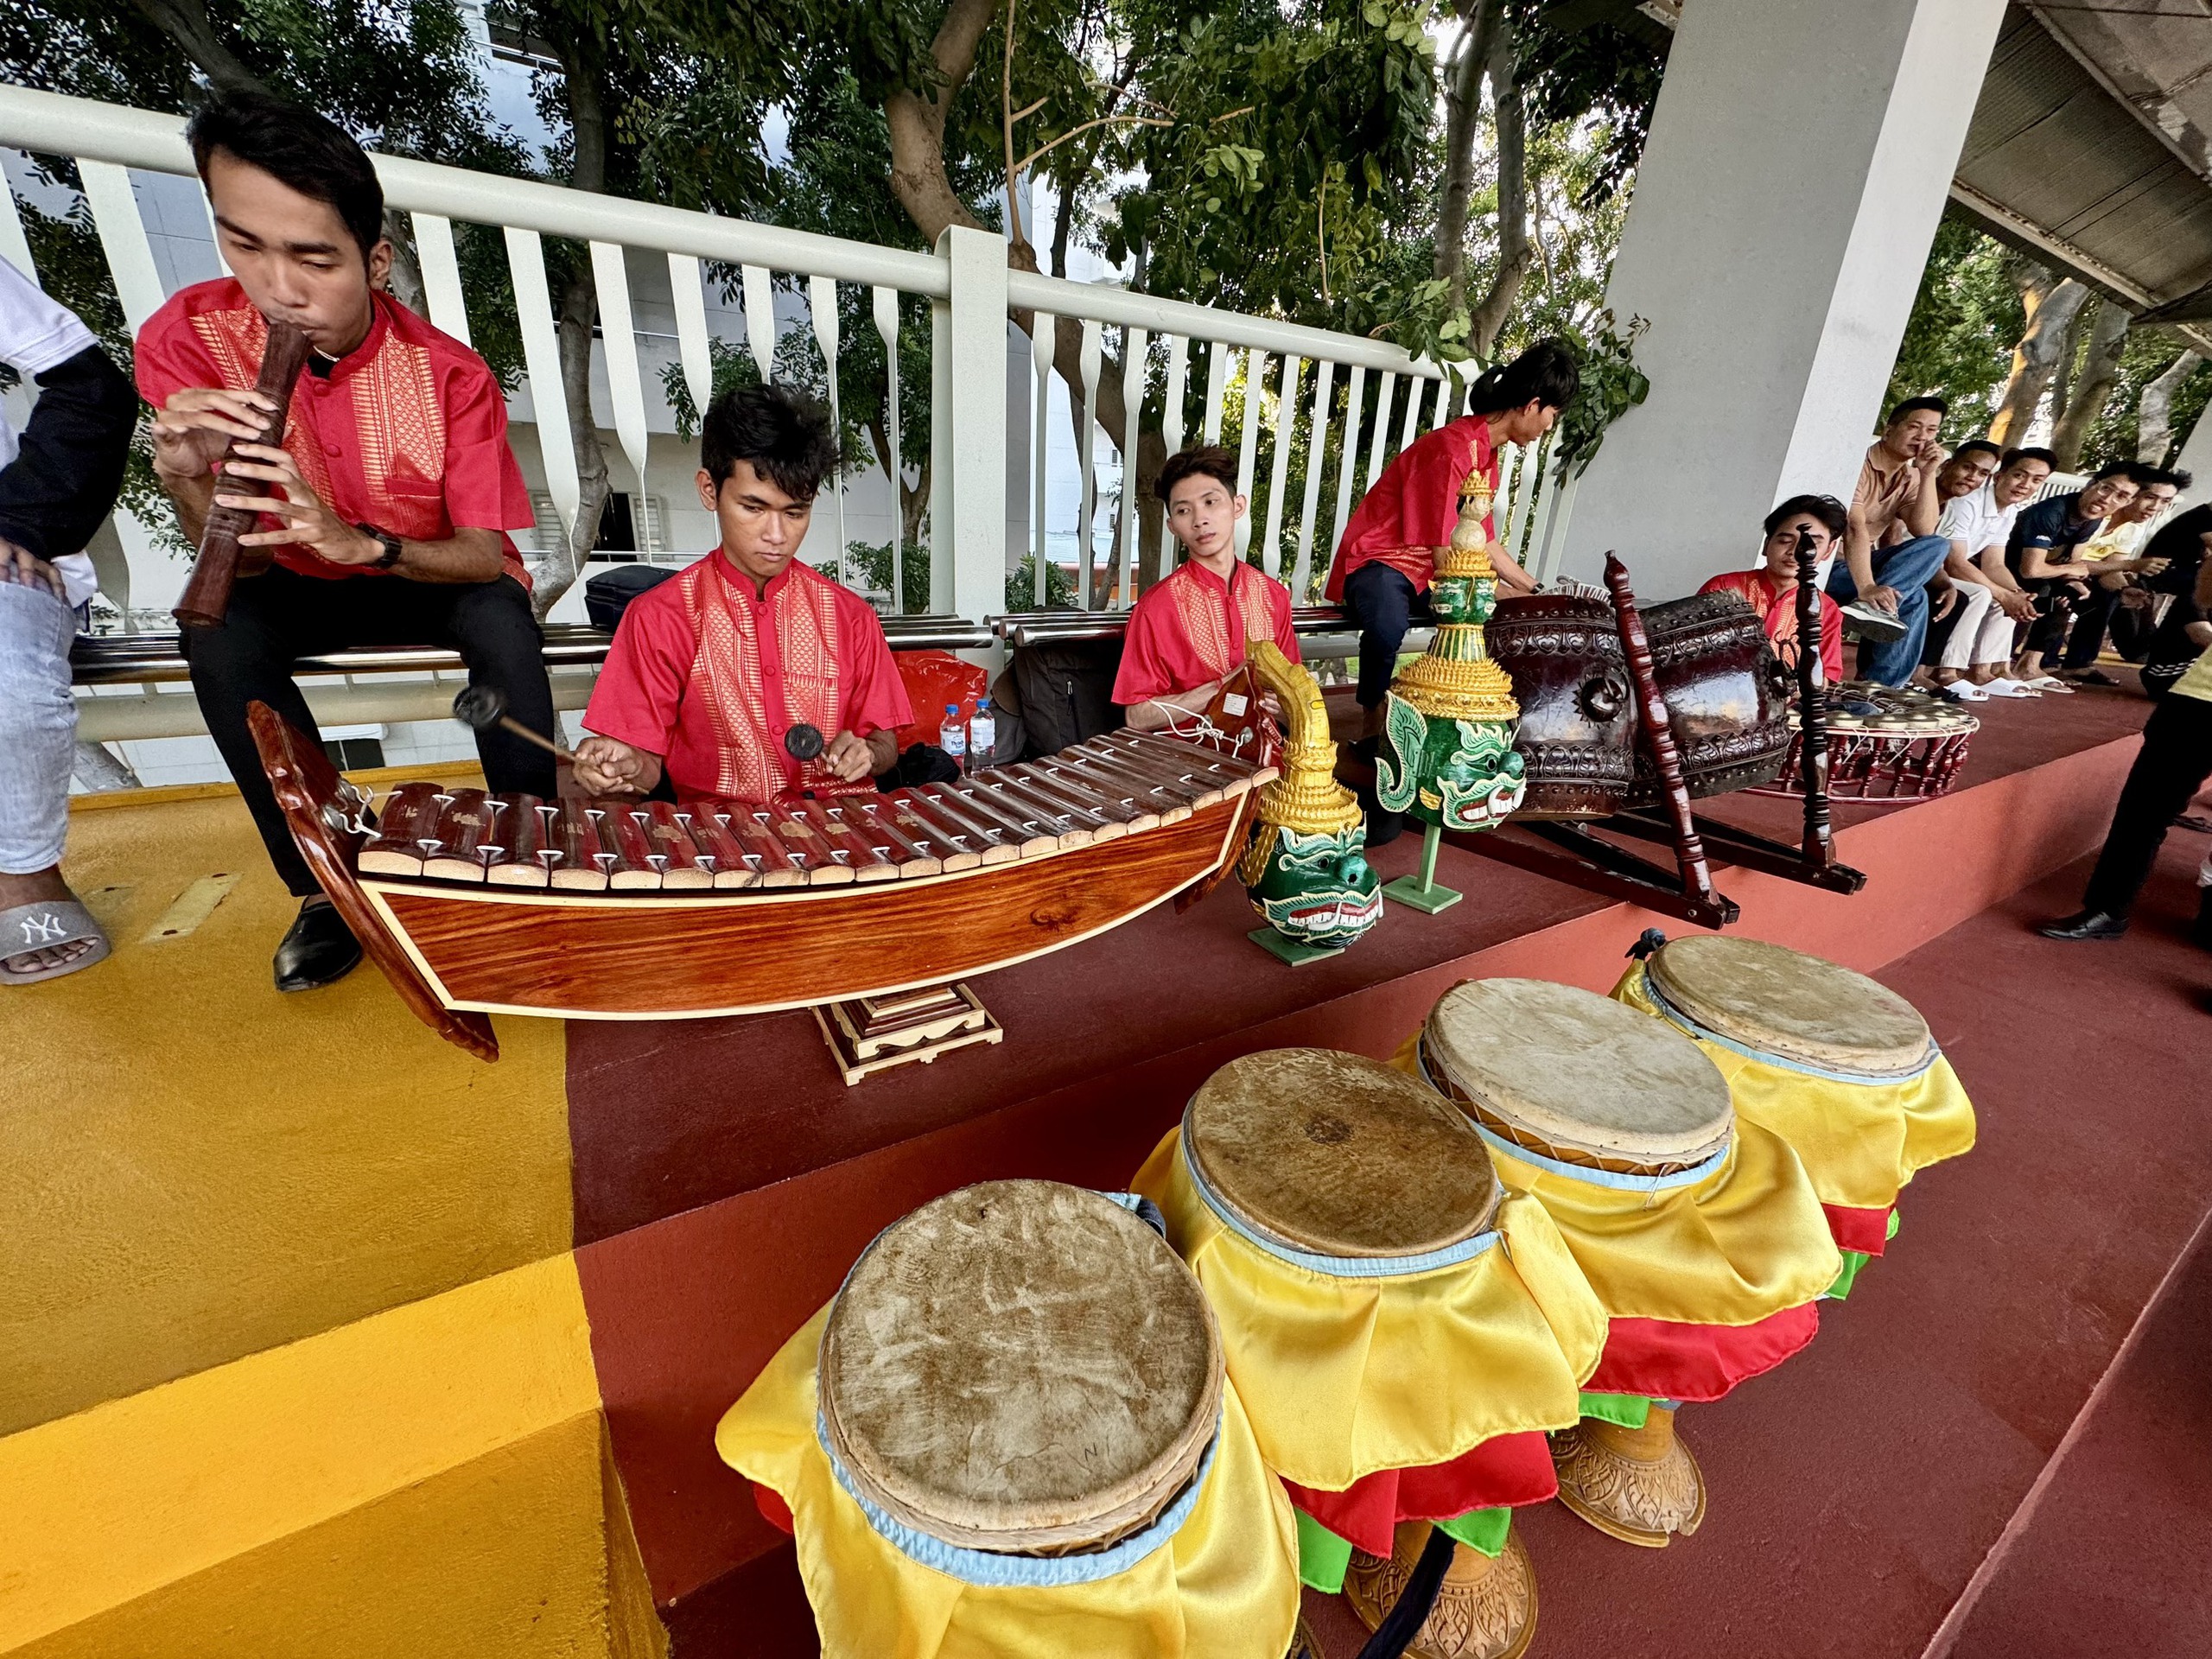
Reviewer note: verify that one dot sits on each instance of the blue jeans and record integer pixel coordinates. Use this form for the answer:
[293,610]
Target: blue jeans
[1908,567]
[38,727]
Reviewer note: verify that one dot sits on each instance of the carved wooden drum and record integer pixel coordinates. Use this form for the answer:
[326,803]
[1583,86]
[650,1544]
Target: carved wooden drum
[1013,1417]
[1727,693]
[1577,730]
[1884,744]
[1842,1067]
[1699,1234]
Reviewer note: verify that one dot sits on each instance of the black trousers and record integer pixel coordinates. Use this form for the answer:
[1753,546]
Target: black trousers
[278,617]
[1384,605]
[2175,760]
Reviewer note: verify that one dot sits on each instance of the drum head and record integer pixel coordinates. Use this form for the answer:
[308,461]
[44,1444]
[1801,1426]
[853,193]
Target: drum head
[1553,1067]
[1784,1002]
[1020,1366]
[1339,1155]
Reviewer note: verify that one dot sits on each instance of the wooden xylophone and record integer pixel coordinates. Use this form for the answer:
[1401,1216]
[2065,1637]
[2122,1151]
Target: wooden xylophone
[1097,791]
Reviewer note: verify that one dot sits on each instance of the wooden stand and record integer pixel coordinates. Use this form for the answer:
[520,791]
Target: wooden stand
[1293,952]
[1424,895]
[873,1033]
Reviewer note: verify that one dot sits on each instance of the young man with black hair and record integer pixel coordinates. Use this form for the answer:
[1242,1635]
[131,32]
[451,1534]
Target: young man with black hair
[1973,663]
[1197,624]
[1772,590]
[1403,525]
[2044,557]
[1891,551]
[389,505]
[709,671]
[2118,606]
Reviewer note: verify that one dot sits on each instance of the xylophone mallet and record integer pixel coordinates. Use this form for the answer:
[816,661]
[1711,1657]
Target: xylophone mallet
[482,707]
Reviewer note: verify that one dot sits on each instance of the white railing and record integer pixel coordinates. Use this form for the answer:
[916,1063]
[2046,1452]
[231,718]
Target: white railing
[1269,364]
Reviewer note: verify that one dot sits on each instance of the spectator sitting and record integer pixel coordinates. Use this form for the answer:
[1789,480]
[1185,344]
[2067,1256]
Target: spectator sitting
[1975,658]
[2120,603]
[57,486]
[1771,589]
[2182,633]
[2044,557]
[1892,552]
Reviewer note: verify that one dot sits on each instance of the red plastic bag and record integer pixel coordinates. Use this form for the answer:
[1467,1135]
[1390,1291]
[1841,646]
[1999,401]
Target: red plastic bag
[934,678]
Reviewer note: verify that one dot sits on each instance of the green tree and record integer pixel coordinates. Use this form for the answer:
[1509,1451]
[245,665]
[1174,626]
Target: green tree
[1958,341]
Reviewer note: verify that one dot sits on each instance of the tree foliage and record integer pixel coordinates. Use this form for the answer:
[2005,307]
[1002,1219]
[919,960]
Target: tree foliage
[1965,319]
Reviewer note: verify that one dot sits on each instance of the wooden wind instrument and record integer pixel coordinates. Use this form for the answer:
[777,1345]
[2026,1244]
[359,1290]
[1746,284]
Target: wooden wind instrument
[207,596]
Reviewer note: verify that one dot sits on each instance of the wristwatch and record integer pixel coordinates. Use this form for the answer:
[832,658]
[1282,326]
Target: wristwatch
[385,539]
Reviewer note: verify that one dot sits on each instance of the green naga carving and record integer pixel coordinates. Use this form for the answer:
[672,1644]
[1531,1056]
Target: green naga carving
[1305,869]
[1446,755]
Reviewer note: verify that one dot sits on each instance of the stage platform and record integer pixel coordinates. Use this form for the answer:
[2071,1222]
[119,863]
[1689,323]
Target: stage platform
[713,1215]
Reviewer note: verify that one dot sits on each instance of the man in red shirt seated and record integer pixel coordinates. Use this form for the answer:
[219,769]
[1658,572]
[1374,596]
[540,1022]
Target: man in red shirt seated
[1404,523]
[1192,628]
[1772,589]
[388,506]
[710,673]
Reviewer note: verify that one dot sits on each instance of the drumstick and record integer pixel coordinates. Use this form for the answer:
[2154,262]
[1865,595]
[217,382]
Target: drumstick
[482,707]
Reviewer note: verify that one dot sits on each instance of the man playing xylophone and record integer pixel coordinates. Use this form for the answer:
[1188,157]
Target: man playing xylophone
[710,671]
[1198,625]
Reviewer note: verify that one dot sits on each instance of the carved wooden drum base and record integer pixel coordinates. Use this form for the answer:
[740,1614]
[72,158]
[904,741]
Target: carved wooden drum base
[1485,1610]
[1640,1485]
[1305,1644]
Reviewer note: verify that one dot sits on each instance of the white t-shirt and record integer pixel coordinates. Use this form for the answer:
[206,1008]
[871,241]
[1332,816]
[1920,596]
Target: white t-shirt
[35,335]
[1977,520]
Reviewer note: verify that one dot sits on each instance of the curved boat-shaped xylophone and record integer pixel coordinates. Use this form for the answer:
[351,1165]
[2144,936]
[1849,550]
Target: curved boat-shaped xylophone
[475,904]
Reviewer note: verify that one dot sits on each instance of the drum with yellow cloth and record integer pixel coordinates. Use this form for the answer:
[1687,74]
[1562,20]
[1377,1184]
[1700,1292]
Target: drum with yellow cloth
[1842,1068]
[1699,1234]
[1010,1433]
[1400,1331]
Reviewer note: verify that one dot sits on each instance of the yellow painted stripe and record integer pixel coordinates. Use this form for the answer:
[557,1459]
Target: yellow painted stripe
[120,1500]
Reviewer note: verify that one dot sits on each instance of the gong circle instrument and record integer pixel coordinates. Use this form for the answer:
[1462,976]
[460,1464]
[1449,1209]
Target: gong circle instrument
[1699,1233]
[1838,1066]
[1347,1222]
[1019,1419]
[1577,731]
[1885,743]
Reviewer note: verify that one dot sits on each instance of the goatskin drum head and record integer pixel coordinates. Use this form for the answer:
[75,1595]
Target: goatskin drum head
[1552,1066]
[1339,1155]
[1020,1366]
[1782,1001]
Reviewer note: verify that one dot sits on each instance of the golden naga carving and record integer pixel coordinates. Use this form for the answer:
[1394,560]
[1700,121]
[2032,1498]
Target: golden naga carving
[1306,870]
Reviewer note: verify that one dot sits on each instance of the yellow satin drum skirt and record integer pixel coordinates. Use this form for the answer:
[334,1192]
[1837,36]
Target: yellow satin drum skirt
[1731,1244]
[1223,1584]
[1860,1142]
[1345,1377]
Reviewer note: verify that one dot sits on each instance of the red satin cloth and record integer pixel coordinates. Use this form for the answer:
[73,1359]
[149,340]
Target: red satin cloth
[1864,1230]
[774,1509]
[1505,1471]
[1670,1360]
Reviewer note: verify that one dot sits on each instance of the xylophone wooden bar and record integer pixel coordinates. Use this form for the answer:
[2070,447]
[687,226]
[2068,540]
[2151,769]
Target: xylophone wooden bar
[578,858]
[463,819]
[805,845]
[1072,828]
[776,866]
[403,824]
[733,866]
[671,835]
[520,828]
[910,857]
[1142,813]
[1173,802]
[1025,831]
[868,857]
[635,868]
[1106,819]
[964,829]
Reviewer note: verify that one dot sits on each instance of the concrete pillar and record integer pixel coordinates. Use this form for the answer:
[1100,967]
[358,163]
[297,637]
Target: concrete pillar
[1800,154]
[2196,457]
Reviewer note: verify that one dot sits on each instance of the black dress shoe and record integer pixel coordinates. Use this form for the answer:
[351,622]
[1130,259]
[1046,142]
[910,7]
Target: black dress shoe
[2089,924]
[318,949]
[2201,933]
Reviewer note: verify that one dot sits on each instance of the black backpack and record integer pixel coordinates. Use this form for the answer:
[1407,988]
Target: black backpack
[607,595]
[1066,692]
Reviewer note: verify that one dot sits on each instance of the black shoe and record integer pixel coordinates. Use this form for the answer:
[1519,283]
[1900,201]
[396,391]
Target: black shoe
[2201,933]
[318,949]
[2089,924]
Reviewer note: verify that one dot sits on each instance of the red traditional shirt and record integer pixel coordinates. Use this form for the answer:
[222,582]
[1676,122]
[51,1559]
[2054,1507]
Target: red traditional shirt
[1191,628]
[1777,608]
[710,676]
[407,432]
[1414,505]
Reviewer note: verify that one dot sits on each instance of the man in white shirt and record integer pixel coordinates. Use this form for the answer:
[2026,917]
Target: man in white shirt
[1980,525]
[57,482]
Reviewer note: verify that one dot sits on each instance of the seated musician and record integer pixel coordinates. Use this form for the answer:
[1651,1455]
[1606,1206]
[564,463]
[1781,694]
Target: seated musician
[710,673]
[1771,589]
[1200,623]
[1404,523]
[388,506]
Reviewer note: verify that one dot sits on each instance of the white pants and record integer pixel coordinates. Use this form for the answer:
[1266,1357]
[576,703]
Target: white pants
[38,727]
[1982,635]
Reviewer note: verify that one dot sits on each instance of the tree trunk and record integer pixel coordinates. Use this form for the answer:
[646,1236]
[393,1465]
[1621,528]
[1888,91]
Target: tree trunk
[2154,432]
[582,68]
[2093,386]
[187,22]
[1463,99]
[1513,251]
[2050,306]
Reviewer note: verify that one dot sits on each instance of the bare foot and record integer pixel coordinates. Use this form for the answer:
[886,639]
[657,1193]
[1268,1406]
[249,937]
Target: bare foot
[39,885]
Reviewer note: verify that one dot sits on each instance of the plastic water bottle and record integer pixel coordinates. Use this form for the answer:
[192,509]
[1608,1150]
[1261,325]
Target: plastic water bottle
[952,736]
[982,736]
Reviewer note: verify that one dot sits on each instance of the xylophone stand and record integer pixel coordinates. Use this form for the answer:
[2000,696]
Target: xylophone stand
[1425,895]
[874,1034]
